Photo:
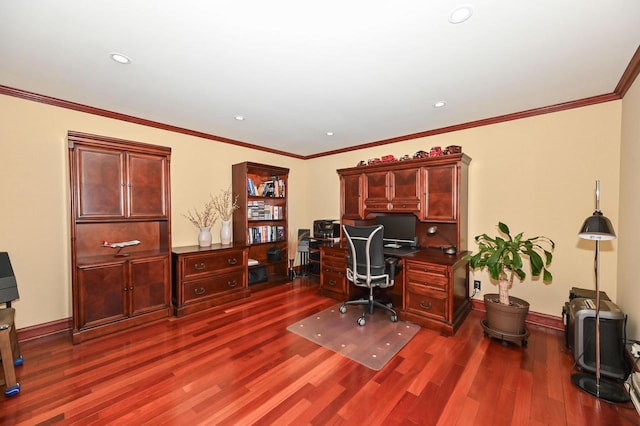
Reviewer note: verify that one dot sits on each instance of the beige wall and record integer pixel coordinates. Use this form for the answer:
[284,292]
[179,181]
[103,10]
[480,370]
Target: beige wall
[629,228]
[536,174]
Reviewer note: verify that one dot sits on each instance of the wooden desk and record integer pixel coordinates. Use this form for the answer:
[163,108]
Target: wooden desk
[431,290]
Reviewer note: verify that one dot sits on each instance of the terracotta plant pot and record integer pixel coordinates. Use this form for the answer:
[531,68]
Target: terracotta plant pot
[506,319]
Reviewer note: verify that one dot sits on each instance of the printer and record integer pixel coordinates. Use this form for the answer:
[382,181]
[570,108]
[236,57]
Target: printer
[326,228]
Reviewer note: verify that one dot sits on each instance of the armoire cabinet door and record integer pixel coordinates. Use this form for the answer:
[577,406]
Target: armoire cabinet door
[376,191]
[100,183]
[441,193]
[351,196]
[147,289]
[404,186]
[147,185]
[101,294]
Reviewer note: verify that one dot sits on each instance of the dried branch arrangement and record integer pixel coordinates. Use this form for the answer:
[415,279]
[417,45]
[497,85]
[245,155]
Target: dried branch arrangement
[204,218]
[223,204]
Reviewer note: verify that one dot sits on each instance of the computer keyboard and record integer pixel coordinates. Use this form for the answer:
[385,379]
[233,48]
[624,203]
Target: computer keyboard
[399,251]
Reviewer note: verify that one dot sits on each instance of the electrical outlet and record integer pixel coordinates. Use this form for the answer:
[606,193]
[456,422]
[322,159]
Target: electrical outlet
[476,284]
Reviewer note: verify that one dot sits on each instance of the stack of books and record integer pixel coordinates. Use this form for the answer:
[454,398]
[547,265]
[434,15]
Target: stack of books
[266,234]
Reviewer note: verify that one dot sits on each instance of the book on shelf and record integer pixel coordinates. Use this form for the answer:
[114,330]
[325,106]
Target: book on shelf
[259,210]
[251,187]
[266,234]
[269,189]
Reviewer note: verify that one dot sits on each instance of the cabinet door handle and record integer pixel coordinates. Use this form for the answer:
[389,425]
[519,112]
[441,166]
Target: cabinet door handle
[200,291]
[200,266]
[232,283]
[332,282]
[423,306]
[232,261]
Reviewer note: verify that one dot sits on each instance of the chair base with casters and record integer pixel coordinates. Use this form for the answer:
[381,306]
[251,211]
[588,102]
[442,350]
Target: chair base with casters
[9,351]
[366,267]
[370,303]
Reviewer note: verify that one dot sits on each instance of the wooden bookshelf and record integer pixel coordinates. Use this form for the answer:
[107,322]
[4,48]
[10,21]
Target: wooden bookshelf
[261,220]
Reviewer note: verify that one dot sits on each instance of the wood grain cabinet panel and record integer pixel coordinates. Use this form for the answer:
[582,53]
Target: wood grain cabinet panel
[351,203]
[100,182]
[440,202]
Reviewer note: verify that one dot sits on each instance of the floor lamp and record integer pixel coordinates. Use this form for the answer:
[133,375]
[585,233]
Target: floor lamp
[597,227]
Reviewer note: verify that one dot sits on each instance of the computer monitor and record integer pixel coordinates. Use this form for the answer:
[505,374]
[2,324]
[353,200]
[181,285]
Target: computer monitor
[399,229]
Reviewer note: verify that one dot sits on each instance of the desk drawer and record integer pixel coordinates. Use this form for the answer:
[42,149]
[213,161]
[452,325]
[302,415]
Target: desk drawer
[334,258]
[334,265]
[427,275]
[211,262]
[422,301]
[333,281]
[212,286]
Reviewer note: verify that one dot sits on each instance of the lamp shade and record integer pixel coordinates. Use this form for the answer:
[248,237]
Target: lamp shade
[597,227]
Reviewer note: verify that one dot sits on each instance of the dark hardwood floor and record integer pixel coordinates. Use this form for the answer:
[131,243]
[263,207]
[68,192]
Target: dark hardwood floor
[240,366]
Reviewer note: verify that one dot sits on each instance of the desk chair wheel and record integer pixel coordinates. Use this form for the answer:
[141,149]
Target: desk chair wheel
[394,318]
[343,309]
[361,321]
[12,391]
[18,361]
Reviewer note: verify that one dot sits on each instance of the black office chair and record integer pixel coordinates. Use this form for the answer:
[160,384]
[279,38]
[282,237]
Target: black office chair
[9,348]
[366,267]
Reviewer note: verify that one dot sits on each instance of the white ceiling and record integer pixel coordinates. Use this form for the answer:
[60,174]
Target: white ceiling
[367,70]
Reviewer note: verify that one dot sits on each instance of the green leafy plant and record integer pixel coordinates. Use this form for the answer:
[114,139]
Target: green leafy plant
[505,258]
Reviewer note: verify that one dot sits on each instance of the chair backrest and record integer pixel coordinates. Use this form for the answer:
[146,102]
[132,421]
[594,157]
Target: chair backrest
[366,250]
[8,284]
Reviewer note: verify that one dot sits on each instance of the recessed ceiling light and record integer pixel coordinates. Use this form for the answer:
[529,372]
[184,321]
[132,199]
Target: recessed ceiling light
[120,58]
[460,14]
[239,117]
[439,104]
[329,133]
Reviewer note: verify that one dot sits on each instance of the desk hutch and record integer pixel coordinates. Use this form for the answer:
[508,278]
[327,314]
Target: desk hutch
[433,287]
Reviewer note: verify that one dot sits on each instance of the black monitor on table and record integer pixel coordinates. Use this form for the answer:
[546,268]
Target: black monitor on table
[399,230]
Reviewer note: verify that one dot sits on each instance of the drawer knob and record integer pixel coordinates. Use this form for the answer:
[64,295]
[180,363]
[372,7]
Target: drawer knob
[232,283]
[332,282]
[200,291]
[200,266]
[425,306]
[232,261]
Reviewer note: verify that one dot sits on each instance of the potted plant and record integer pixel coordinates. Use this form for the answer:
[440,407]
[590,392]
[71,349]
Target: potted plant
[505,258]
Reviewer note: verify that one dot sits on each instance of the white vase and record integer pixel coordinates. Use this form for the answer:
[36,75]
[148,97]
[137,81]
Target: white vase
[225,232]
[204,236]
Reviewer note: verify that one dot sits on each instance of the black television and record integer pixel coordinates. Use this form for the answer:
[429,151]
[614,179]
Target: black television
[399,230]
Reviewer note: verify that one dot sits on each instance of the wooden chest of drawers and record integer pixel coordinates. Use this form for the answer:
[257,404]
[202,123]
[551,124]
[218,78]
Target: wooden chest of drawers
[207,277]
[435,294]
